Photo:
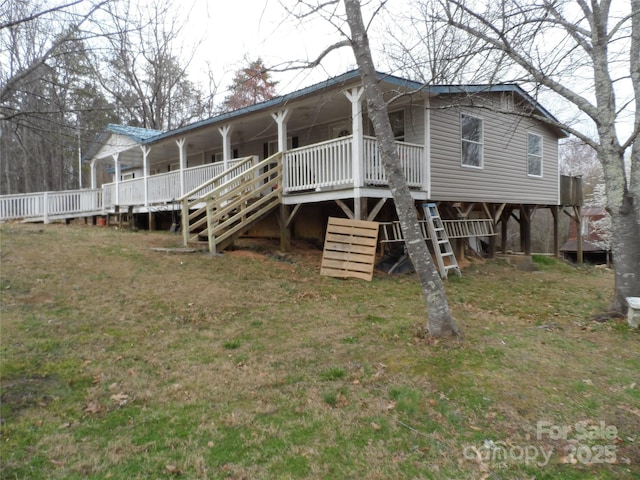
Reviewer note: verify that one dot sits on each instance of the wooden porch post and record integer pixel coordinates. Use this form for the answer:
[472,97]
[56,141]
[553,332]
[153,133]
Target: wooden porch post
[281,118]
[357,157]
[181,142]
[426,178]
[145,172]
[225,131]
[118,172]
[94,176]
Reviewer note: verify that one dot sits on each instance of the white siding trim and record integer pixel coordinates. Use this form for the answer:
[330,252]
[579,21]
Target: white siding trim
[481,143]
[541,155]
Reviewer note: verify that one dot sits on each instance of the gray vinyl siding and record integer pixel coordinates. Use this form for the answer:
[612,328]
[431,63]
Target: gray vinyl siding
[414,124]
[503,177]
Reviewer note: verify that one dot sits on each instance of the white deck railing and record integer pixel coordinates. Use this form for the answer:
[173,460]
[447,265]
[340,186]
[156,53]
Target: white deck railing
[311,168]
[411,158]
[44,205]
[162,187]
[325,164]
[329,164]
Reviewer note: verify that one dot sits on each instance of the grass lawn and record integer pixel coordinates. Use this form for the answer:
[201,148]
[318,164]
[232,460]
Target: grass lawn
[118,361]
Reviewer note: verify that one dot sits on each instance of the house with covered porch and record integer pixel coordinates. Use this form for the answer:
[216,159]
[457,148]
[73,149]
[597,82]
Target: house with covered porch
[283,166]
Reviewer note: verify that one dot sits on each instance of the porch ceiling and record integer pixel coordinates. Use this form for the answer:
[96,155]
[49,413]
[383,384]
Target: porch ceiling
[304,115]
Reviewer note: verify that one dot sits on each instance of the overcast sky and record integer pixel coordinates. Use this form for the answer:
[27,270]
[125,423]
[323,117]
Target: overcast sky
[234,30]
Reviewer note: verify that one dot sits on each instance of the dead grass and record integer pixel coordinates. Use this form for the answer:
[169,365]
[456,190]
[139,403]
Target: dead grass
[123,362]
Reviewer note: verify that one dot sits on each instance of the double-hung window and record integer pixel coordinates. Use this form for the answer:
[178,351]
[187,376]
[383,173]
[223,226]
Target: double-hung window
[534,155]
[472,137]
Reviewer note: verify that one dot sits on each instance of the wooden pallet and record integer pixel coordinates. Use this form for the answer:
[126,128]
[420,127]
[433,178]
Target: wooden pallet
[349,249]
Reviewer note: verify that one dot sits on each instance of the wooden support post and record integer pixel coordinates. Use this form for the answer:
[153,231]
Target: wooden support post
[119,216]
[285,228]
[458,246]
[360,208]
[152,221]
[579,252]
[525,229]
[504,230]
[490,210]
[131,218]
[556,231]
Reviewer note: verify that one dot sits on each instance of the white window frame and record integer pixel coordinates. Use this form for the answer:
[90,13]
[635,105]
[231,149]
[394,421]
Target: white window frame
[273,145]
[530,155]
[127,176]
[480,143]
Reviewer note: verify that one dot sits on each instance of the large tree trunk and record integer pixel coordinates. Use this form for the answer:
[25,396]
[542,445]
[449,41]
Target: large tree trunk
[440,320]
[623,204]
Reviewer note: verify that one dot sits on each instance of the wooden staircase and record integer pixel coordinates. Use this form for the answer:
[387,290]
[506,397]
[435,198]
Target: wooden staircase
[223,208]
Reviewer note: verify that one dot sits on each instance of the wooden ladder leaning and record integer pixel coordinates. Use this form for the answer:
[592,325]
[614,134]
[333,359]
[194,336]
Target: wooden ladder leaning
[440,241]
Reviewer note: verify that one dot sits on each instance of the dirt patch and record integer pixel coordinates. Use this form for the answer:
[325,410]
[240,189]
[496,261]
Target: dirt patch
[25,392]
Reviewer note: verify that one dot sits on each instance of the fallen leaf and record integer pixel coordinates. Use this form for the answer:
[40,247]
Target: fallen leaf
[93,407]
[173,470]
[375,426]
[120,398]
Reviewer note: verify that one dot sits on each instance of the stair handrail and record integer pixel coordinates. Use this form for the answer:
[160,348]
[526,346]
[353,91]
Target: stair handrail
[221,175]
[193,194]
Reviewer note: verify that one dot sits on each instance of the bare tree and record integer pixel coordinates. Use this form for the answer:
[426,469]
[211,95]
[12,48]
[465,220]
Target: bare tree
[441,321]
[145,66]
[43,54]
[432,52]
[587,54]
[579,159]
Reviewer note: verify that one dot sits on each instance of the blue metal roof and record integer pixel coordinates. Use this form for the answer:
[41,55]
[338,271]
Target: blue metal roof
[138,134]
